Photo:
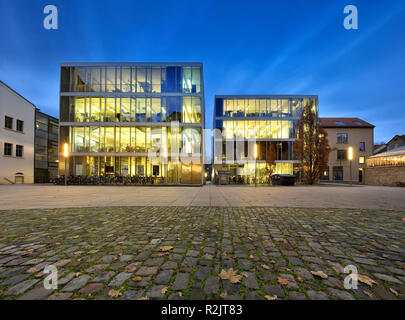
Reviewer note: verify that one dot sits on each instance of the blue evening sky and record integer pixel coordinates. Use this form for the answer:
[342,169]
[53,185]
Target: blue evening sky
[247,47]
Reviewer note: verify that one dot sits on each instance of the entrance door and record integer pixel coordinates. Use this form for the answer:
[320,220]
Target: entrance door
[361,175]
[186,173]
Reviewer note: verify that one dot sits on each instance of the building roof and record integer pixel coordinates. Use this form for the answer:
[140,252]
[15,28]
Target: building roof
[396,137]
[394,152]
[15,92]
[344,123]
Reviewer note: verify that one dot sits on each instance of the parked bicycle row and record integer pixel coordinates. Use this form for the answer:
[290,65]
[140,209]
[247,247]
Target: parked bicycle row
[107,180]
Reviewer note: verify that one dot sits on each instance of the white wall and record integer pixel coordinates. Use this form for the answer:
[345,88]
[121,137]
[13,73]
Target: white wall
[14,106]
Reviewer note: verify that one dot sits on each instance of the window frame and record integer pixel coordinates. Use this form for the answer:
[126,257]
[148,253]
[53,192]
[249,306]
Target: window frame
[364,146]
[6,144]
[5,122]
[21,149]
[345,141]
[340,152]
[22,125]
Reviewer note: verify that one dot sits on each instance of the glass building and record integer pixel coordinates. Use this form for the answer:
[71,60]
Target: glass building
[139,121]
[268,121]
[46,147]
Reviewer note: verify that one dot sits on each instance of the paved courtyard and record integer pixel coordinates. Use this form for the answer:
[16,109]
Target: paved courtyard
[187,252]
[323,196]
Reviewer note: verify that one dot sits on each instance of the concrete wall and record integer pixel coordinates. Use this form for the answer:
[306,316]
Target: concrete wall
[385,176]
[355,136]
[16,107]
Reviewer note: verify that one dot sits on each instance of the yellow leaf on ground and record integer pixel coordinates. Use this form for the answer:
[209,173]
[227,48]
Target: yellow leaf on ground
[300,279]
[394,292]
[365,279]
[230,275]
[282,281]
[137,279]
[251,256]
[369,294]
[271,297]
[320,274]
[166,248]
[180,294]
[131,270]
[114,293]
[164,290]
[265,266]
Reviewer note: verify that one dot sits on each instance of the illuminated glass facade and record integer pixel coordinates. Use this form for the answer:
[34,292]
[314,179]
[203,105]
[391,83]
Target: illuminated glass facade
[113,116]
[270,120]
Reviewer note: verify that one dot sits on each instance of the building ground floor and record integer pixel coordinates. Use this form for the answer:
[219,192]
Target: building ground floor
[339,172]
[246,173]
[134,169]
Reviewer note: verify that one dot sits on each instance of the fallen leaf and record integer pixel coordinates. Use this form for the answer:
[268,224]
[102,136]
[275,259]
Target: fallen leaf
[137,279]
[166,248]
[394,292]
[282,281]
[164,290]
[143,298]
[32,270]
[39,275]
[271,297]
[364,279]
[369,294]
[272,261]
[230,275]
[131,270]
[180,294]
[75,237]
[223,295]
[77,252]
[300,279]
[337,270]
[403,219]
[244,274]
[77,274]
[114,293]
[320,274]
[251,256]
[265,266]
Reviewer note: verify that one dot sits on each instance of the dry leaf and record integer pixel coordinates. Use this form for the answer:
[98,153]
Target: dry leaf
[143,298]
[77,274]
[180,294]
[39,275]
[131,270]
[137,279]
[300,279]
[394,292]
[369,294]
[271,297]
[166,248]
[244,274]
[114,293]
[282,281]
[251,256]
[403,219]
[230,275]
[223,295]
[32,270]
[75,237]
[365,279]
[337,270]
[272,261]
[164,290]
[320,274]
[265,266]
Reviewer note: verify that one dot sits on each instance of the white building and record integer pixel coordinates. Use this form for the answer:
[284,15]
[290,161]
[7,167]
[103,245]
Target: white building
[17,135]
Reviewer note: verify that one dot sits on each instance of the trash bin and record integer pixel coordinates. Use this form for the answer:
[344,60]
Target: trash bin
[283,180]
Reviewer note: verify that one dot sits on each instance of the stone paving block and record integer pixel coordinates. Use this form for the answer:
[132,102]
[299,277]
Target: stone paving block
[119,279]
[76,283]
[181,281]
[20,288]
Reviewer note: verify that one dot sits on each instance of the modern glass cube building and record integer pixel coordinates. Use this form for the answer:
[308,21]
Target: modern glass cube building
[266,119]
[133,120]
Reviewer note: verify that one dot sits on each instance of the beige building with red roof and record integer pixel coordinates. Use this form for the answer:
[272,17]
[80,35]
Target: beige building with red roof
[342,134]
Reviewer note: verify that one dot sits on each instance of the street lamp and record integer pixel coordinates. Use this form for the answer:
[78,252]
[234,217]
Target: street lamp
[66,155]
[350,156]
[255,164]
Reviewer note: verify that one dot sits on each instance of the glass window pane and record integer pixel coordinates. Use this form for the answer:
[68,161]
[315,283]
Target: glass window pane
[156,80]
[187,86]
[156,115]
[125,139]
[140,139]
[141,110]
[187,110]
[95,109]
[94,139]
[79,109]
[110,109]
[141,80]
[126,79]
[125,109]
[110,79]
[95,79]
[109,139]
[196,80]
[196,115]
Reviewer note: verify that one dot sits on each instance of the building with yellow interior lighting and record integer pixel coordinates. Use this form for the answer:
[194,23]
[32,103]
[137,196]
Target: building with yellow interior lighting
[265,119]
[139,121]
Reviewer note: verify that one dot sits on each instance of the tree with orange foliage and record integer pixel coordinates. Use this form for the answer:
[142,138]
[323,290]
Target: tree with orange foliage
[271,158]
[311,146]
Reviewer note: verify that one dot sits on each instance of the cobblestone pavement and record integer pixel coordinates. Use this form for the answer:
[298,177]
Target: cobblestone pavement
[179,252]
